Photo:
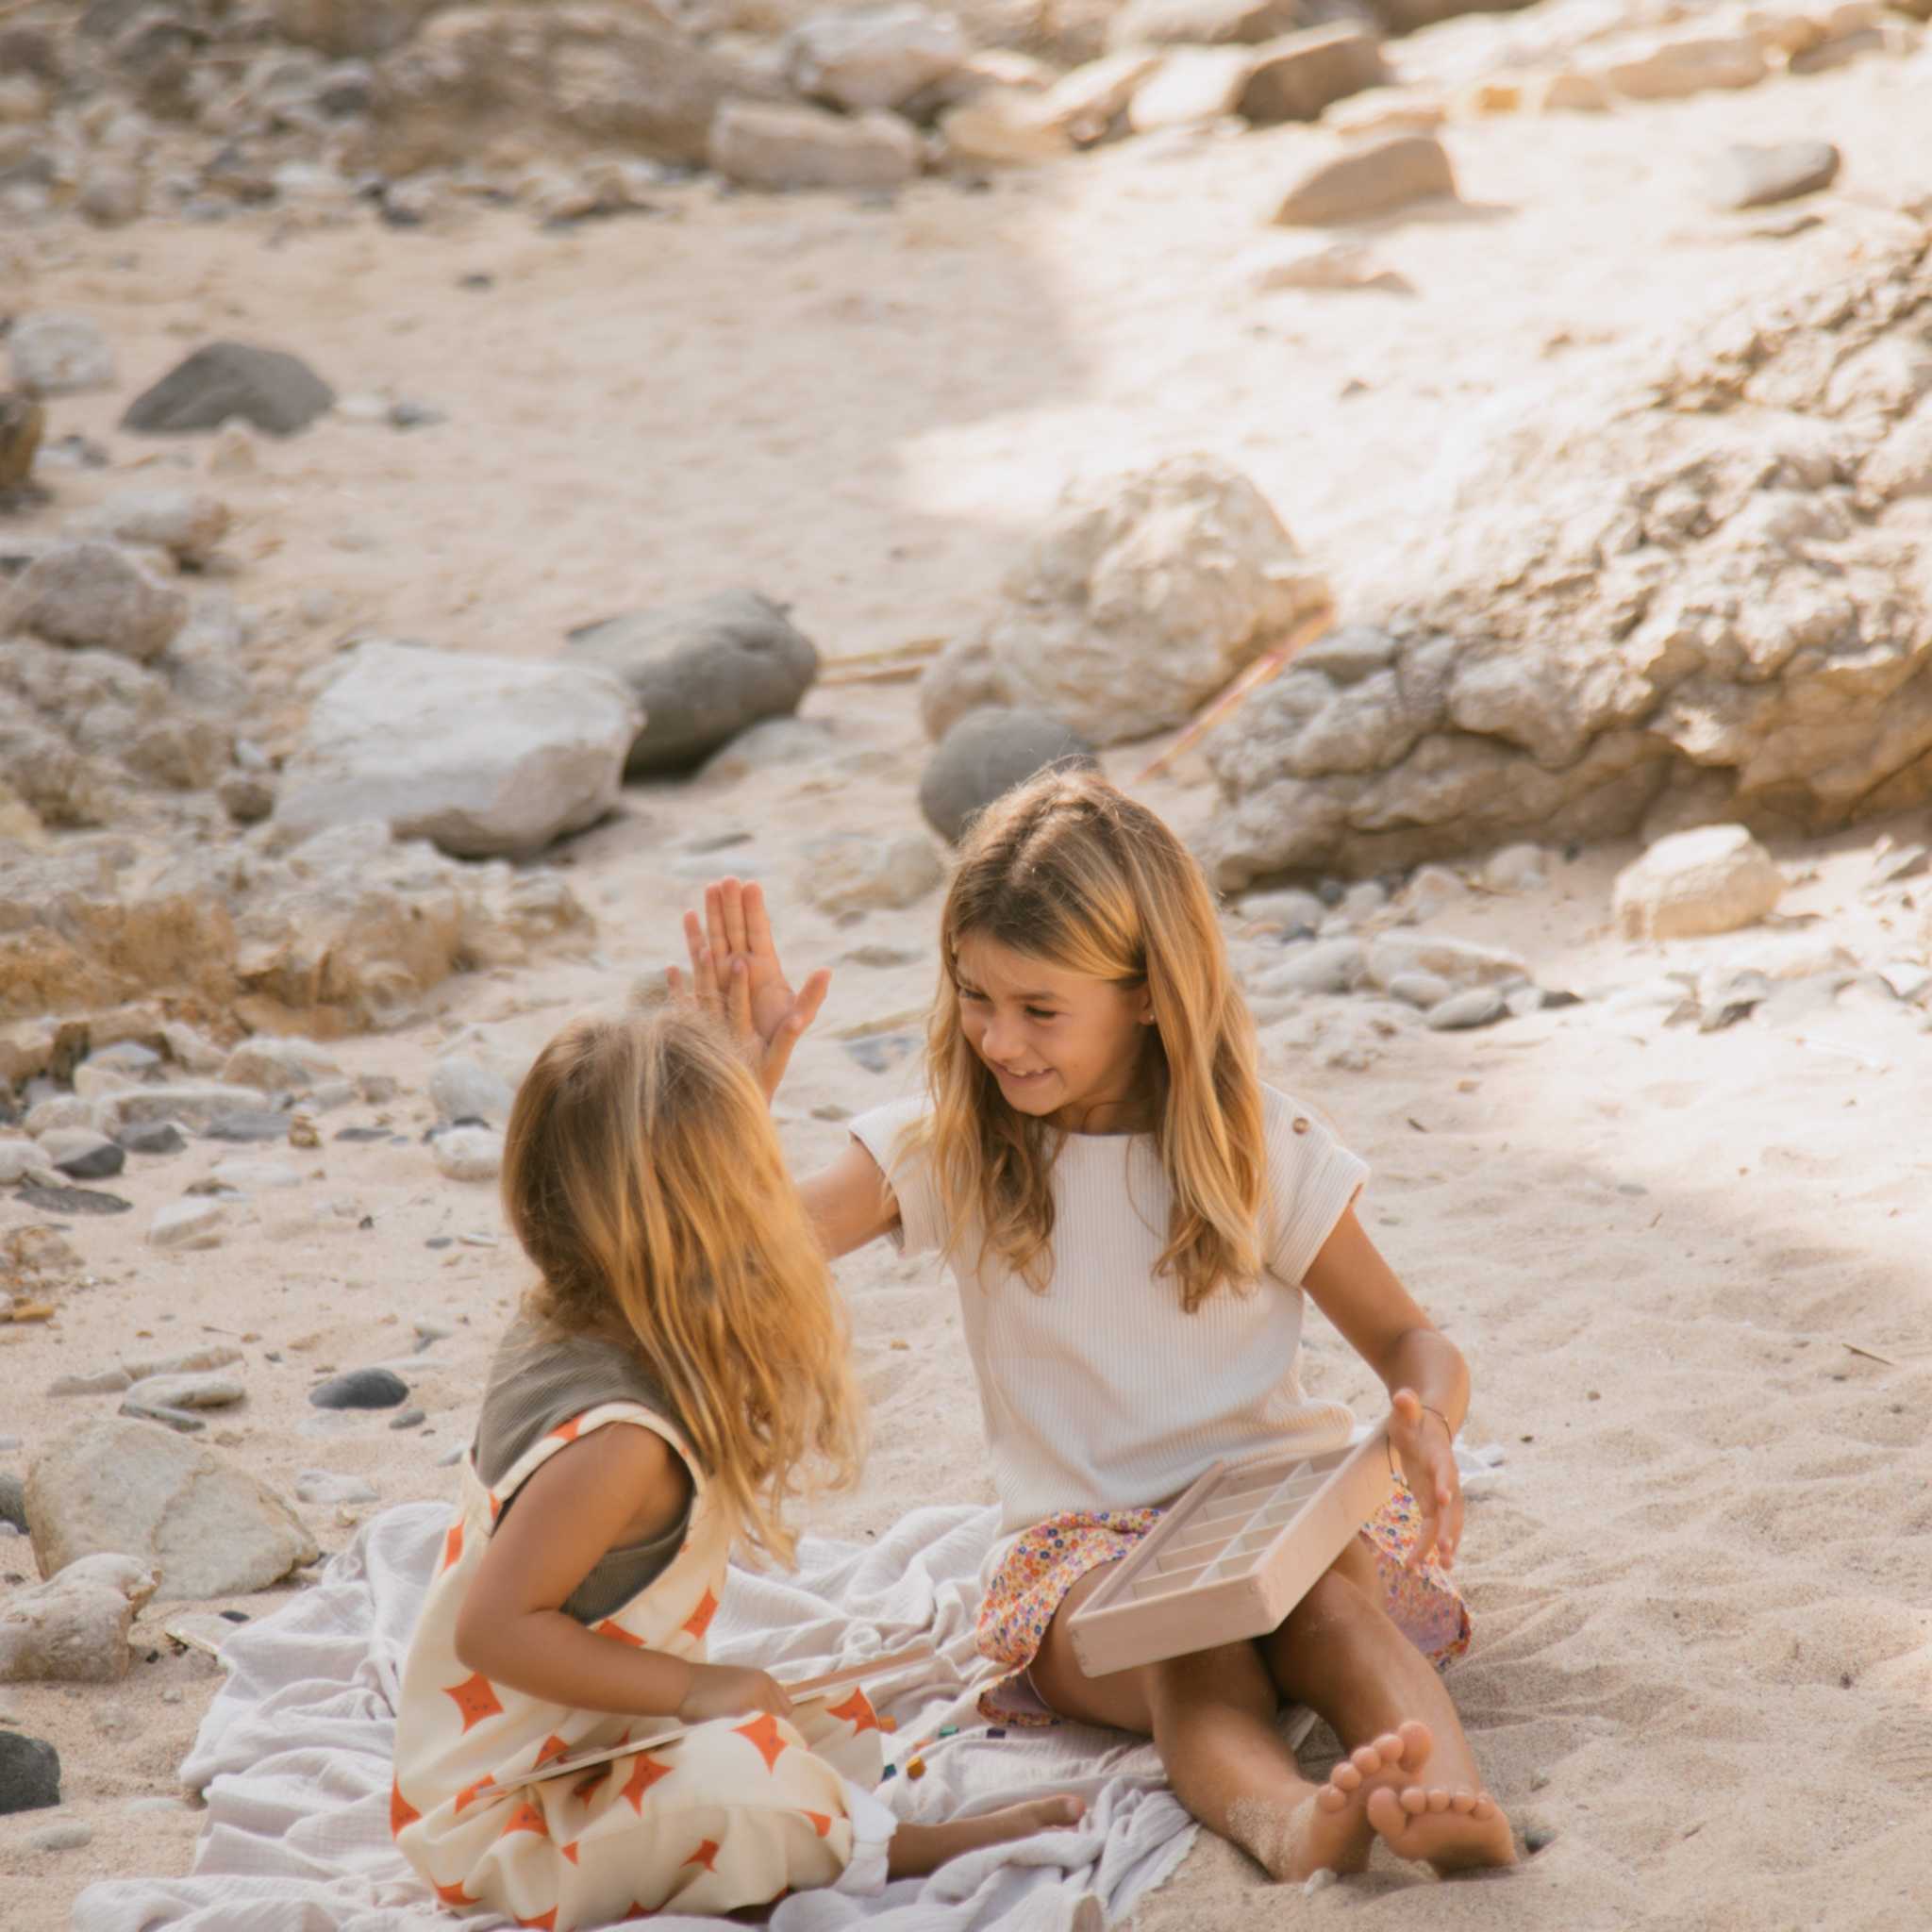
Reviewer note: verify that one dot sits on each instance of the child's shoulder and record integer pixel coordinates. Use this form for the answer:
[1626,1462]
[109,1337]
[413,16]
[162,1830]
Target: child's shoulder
[1295,1128]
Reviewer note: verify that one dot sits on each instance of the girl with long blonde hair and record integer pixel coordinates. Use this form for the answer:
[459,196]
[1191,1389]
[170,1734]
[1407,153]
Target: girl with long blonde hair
[676,1380]
[1134,1221]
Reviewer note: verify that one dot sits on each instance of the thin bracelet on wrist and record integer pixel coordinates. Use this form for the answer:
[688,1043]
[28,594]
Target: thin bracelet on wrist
[1440,1417]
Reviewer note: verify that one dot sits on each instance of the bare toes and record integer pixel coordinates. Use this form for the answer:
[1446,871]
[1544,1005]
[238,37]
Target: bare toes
[1345,1777]
[1415,1801]
[1463,1801]
[1329,1799]
[1366,1760]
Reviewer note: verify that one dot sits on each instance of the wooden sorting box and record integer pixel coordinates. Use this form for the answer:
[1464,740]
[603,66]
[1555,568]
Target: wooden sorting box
[1234,1555]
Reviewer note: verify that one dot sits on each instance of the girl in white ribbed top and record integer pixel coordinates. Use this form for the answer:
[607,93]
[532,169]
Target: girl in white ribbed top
[1132,1220]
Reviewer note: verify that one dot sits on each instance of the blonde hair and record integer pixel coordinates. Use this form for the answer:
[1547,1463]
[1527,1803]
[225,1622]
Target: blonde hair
[1069,871]
[643,1178]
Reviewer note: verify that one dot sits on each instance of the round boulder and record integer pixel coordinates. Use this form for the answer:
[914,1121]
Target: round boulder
[1715,878]
[985,753]
[704,671]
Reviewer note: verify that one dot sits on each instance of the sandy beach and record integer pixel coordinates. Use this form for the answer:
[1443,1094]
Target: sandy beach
[1688,1267]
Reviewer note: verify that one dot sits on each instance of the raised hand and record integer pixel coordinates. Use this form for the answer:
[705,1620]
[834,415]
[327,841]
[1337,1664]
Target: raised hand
[1420,1438]
[737,974]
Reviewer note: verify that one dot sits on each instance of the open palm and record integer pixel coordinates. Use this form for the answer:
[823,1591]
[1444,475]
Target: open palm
[737,974]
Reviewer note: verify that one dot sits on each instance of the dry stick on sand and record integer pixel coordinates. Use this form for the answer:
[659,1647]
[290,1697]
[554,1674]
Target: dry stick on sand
[1257,674]
[893,665]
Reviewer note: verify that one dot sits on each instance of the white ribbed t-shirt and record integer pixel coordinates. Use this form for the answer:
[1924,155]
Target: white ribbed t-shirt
[1102,1392]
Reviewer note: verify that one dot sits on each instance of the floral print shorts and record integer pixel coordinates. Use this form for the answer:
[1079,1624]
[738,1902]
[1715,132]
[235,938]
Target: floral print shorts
[1046,1562]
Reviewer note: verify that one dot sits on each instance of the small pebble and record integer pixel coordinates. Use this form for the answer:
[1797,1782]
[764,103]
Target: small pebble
[915,1767]
[1318,1880]
[1536,1837]
[409,1419]
[152,1137]
[891,1770]
[362,1389]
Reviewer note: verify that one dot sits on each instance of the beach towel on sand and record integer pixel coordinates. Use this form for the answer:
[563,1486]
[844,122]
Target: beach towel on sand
[294,1754]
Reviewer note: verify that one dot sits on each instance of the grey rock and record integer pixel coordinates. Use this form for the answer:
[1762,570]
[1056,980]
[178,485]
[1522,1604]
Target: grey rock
[91,596]
[109,195]
[252,1125]
[878,1052]
[209,1528]
[69,1835]
[24,1161]
[57,355]
[188,1391]
[1462,963]
[484,756]
[1477,1006]
[703,671]
[12,1500]
[152,1137]
[463,1089]
[278,1063]
[1524,1000]
[1420,990]
[82,1154]
[766,746]
[468,1154]
[1750,176]
[250,1176]
[362,1389]
[192,1103]
[1324,966]
[1290,908]
[97,1382]
[29,1772]
[320,1486]
[409,1419]
[183,1422]
[269,388]
[182,1225]
[989,751]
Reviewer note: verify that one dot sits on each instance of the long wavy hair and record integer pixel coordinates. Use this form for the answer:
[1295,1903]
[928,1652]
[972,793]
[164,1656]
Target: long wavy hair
[643,1178]
[1070,871]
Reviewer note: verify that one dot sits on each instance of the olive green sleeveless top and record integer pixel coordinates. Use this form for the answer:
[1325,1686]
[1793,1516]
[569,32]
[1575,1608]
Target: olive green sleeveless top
[539,1379]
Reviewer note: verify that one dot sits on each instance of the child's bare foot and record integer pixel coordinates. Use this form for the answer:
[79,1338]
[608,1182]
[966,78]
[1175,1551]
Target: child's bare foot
[1454,1831]
[919,1849]
[1332,1829]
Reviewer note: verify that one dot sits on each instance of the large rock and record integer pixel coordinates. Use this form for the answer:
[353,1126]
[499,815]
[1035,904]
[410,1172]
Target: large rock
[1733,628]
[1136,604]
[269,388]
[93,596]
[987,753]
[73,1628]
[1295,77]
[575,78]
[872,57]
[209,1528]
[1202,23]
[704,671]
[1377,178]
[58,355]
[1715,878]
[29,1772]
[482,756]
[778,148]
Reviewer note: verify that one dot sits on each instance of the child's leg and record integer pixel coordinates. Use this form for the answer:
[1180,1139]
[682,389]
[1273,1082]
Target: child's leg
[1339,1653]
[917,1849]
[1213,1715]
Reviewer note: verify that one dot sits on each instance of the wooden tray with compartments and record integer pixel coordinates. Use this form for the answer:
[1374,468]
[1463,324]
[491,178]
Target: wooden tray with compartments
[1234,1555]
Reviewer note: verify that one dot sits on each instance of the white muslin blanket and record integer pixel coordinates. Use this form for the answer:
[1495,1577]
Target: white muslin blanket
[294,1754]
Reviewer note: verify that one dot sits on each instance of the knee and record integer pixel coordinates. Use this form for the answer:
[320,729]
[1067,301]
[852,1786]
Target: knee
[1337,1602]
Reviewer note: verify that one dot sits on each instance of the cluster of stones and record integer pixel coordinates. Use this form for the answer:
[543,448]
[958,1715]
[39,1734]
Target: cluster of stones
[324,104]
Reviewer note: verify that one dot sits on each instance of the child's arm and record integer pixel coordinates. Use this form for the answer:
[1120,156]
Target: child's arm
[849,1202]
[616,1485]
[1424,1370]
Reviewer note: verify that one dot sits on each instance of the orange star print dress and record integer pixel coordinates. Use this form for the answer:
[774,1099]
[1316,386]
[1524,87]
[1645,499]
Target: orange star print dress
[735,1813]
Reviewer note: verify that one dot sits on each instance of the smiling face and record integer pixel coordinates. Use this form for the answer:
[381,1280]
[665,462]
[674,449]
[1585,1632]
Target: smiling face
[1065,1047]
